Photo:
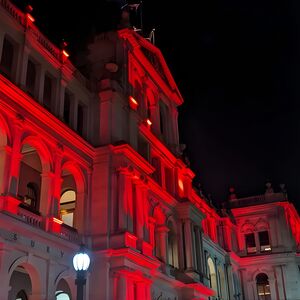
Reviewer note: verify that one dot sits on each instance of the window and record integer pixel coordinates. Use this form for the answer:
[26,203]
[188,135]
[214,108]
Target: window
[143,147]
[31,196]
[47,98]
[212,274]
[80,119]
[263,287]
[7,58]
[250,243]
[30,77]
[264,241]
[67,108]
[169,180]
[67,207]
[163,118]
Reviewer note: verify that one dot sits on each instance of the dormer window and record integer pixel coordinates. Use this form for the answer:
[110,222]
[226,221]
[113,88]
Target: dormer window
[250,243]
[264,241]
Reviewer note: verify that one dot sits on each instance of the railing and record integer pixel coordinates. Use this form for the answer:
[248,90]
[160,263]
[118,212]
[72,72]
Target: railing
[30,217]
[69,233]
[260,199]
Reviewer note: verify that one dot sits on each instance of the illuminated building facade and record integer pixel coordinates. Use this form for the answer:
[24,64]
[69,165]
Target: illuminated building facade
[98,161]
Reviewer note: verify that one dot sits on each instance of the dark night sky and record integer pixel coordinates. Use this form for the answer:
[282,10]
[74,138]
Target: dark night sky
[237,65]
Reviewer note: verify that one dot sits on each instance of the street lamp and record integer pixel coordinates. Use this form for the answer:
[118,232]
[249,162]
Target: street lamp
[81,262]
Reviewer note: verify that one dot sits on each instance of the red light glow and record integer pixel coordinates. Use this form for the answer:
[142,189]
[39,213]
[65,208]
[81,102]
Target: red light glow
[65,53]
[149,123]
[30,17]
[133,103]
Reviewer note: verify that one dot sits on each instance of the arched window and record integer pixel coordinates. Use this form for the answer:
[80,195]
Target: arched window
[30,177]
[172,246]
[263,287]
[67,207]
[31,197]
[212,274]
[21,295]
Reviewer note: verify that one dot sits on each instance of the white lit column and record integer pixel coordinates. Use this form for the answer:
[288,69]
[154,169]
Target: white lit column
[162,233]
[188,244]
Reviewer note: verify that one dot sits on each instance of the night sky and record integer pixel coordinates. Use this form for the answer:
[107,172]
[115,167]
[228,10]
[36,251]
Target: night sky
[237,65]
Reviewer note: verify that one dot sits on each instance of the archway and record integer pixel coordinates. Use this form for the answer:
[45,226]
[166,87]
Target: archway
[30,179]
[63,291]
[72,196]
[20,283]
[263,287]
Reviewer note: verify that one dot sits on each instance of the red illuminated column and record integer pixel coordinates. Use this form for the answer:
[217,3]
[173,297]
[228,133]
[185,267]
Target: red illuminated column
[5,154]
[57,181]
[122,288]
[140,199]
[125,207]
[16,157]
[162,232]
[141,290]
[152,231]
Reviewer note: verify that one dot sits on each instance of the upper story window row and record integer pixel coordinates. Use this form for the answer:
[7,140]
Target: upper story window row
[37,79]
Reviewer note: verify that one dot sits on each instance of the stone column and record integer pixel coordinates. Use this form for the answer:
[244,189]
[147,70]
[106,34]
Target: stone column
[162,232]
[59,109]
[16,157]
[5,155]
[125,205]
[139,217]
[23,67]
[46,193]
[188,244]
[122,288]
[40,83]
[2,35]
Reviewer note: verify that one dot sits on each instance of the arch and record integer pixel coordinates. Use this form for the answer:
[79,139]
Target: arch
[247,227]
[33,272]
[77,173]
[212,274]
[63,291]
[263,286]
[42,151]
[262,225]
[73,185]
[68,279]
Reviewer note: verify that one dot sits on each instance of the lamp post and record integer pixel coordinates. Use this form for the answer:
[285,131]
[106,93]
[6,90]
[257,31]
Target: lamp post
[81,262]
